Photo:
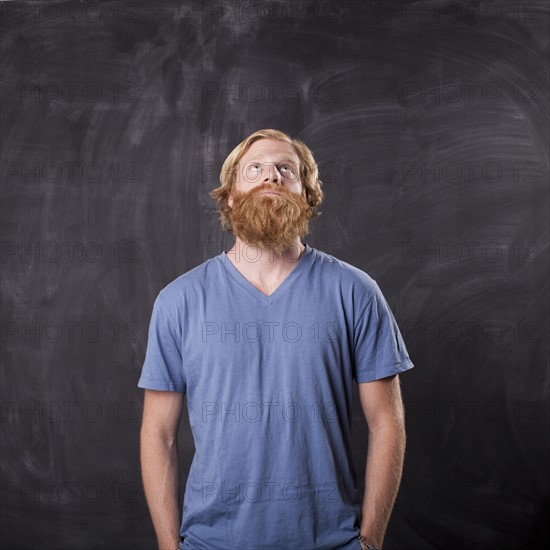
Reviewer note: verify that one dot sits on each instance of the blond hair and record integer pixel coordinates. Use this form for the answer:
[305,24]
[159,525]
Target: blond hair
[309,173]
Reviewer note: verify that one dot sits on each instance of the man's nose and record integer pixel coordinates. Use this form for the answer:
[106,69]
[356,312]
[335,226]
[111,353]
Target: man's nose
[272,174]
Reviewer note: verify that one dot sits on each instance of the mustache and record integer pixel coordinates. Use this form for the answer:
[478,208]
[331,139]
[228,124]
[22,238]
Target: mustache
[257,200]
[260,189]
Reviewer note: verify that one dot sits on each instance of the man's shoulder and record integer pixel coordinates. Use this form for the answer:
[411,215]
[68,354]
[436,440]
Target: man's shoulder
[345,273]
[190,282]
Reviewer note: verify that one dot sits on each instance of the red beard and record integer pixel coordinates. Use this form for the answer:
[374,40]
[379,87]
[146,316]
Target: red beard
[272,222]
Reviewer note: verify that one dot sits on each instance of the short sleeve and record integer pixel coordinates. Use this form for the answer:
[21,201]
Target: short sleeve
[163,366]
[379,349]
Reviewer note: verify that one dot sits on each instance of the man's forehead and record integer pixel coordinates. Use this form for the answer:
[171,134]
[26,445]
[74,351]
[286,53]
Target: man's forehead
[280,149]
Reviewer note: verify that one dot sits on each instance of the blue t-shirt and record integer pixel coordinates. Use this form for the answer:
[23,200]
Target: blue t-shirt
[268,381]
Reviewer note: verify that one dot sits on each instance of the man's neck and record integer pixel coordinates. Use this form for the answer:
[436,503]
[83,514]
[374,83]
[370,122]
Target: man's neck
[262,264]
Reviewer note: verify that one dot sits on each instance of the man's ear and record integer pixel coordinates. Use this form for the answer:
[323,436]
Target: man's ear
[230,201]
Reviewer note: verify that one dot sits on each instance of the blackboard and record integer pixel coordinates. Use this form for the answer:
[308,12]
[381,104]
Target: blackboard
[429,121]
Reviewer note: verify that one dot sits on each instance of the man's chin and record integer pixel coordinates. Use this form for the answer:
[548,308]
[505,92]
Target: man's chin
[272,223]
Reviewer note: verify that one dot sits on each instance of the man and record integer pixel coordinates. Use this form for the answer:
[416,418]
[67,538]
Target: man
[265,341]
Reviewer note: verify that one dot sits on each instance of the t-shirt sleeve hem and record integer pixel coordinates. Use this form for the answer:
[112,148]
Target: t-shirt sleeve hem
[160,385]
[403,366]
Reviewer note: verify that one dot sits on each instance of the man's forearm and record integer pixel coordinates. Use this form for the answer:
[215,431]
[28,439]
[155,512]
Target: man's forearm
[382,478]
[159,467]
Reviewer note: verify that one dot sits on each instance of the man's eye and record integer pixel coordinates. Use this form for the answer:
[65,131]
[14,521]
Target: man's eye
[287,168]
[254,166]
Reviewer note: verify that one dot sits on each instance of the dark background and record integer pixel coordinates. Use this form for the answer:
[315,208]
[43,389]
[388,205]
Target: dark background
[429,121]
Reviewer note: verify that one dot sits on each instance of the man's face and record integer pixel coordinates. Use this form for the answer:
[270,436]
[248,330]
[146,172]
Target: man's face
[268,202]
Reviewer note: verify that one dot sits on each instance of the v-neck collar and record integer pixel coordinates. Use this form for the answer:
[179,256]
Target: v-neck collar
[257,293]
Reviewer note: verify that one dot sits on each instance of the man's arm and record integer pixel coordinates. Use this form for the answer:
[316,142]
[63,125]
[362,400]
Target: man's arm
[383,408]
[159,463]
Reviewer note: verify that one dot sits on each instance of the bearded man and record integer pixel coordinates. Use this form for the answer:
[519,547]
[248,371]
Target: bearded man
[265,341]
